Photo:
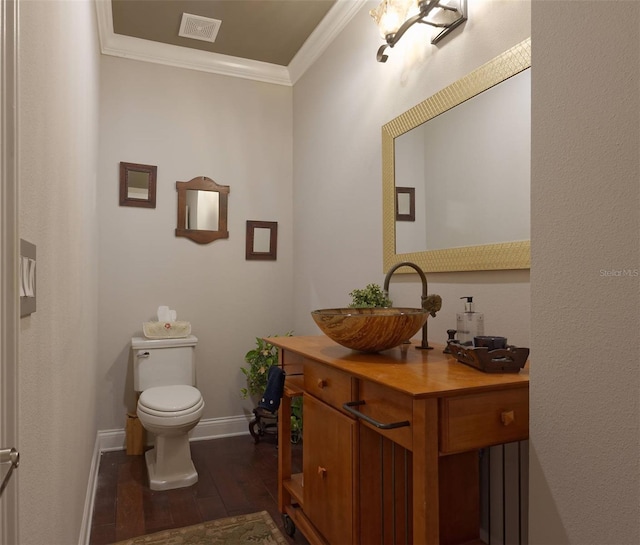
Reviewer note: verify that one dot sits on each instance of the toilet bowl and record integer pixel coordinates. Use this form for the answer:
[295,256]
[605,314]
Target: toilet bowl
[170,412]
[169,406]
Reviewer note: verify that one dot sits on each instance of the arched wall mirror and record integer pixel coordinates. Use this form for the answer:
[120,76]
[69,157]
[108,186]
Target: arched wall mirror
[462,159]
[202,210]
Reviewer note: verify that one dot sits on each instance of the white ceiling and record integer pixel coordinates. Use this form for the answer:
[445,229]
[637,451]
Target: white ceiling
[193,54]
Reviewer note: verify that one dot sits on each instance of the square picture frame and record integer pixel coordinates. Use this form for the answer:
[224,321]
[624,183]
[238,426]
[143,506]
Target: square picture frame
[138,185]
[405,204]
[262,240]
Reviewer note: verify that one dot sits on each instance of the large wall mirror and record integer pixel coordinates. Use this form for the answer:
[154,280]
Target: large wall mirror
[202,210]
[465,155]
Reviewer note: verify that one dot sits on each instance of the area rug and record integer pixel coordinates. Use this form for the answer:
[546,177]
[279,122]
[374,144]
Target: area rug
[254,529]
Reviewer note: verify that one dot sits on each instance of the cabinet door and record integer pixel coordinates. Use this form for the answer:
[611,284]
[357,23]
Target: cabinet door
[328,470]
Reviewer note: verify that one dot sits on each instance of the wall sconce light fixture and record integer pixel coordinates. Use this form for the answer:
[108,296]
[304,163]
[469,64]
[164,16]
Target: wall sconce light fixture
[394,17]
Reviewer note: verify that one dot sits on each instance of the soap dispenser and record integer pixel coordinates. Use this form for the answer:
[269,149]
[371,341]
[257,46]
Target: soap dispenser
[470,323]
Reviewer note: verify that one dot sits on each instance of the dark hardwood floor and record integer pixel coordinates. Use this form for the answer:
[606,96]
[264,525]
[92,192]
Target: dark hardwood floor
[235,476]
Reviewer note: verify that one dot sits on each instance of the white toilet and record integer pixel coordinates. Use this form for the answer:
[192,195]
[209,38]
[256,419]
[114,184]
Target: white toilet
[169,406]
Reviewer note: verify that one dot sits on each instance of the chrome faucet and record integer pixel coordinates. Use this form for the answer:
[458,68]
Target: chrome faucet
[432,303]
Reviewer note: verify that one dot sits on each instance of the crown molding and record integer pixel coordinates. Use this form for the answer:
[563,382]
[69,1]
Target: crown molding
[336,19]
[138,49]
[193,59]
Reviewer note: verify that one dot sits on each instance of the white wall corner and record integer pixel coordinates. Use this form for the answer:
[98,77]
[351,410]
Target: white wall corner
[333,23]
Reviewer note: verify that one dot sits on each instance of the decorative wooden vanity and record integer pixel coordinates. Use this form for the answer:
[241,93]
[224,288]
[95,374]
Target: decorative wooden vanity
[390,442]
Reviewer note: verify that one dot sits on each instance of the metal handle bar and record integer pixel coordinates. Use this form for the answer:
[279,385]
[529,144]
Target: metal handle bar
[349,408]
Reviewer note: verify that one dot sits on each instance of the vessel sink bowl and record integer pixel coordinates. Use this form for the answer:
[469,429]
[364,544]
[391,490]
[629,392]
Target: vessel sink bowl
[370,329]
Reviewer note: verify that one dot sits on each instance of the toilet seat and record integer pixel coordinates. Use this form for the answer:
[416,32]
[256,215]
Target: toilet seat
[170,401]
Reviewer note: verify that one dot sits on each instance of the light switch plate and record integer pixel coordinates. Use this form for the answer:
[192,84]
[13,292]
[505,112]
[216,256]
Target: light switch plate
[27,278]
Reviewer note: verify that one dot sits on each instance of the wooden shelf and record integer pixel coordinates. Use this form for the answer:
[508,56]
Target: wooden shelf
[304,525]
[294,487]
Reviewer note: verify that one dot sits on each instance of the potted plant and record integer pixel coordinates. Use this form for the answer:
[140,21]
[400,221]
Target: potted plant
[260,359]
[371,296]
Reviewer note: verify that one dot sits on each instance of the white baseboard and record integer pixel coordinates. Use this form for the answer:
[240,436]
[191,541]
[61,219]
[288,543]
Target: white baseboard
[85,528]
[210,428]
[216,428]
[109,440]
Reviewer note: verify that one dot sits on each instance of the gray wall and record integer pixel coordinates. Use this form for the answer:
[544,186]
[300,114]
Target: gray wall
[187,123]
[584,324]
[58,150]
[585,389]
[340,105]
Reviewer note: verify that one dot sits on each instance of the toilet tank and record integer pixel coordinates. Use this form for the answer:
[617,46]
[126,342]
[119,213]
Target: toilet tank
[163,362]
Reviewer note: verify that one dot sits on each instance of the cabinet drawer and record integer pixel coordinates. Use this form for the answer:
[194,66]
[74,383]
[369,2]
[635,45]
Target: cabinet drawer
[387,406]
[480,420]
[327,384]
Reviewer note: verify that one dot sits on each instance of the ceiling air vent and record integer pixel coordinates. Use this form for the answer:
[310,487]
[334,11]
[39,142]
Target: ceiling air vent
[199,28]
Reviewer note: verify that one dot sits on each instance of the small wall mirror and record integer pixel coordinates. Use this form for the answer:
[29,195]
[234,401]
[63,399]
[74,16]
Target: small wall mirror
[138,185]
[202,210]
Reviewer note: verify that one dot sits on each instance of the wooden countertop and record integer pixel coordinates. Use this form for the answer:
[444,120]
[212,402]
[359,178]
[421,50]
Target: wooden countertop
[418,373]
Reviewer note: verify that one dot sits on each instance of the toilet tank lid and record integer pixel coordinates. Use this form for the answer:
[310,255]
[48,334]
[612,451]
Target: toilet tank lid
[142,343]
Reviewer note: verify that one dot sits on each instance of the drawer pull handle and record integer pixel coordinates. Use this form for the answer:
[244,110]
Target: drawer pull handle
[508,417]
[349,407]
[321,383]
[322,471]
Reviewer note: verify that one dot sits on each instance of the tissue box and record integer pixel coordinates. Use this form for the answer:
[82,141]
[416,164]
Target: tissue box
[166,330]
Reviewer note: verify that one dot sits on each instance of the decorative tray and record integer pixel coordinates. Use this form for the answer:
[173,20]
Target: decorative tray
[166,330]
[503,360]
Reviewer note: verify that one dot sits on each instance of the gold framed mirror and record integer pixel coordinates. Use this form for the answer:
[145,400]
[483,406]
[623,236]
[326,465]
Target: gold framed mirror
[138,185]
[202,210]
[500,255]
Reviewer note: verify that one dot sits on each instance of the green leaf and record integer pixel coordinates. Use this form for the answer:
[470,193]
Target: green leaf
[260,360]
[371,296]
